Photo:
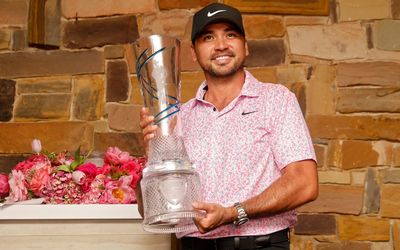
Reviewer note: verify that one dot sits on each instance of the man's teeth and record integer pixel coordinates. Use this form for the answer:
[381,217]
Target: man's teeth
[221,57]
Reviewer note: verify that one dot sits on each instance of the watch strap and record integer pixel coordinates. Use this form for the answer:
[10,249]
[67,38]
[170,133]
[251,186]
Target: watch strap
[242,215]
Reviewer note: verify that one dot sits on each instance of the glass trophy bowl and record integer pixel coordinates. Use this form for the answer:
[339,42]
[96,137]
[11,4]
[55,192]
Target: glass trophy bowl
[167,198]
[170,183]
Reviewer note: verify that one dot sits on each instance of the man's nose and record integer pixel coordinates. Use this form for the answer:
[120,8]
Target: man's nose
[221,43]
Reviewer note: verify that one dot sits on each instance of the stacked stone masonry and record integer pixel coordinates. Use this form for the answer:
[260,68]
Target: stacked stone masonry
[343,67]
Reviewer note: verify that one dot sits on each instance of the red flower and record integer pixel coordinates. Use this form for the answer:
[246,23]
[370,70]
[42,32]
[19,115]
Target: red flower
[105,169]
[88,168]
[89,171]
[132,168]
[4,186]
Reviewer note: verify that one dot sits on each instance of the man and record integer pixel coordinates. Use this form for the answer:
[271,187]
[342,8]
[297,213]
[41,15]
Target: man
[248,140]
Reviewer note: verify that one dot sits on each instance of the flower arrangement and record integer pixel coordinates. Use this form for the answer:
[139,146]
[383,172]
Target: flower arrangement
[62,178]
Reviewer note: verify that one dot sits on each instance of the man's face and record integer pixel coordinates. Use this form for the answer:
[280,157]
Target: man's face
[220,50]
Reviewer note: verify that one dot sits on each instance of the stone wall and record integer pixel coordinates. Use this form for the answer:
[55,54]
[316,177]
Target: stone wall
[344,69]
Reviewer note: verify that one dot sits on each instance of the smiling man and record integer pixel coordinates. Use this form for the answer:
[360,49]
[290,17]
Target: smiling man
[248,140]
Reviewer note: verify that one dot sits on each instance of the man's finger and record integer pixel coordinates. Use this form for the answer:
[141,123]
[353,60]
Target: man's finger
[149,137]
[144,112]
[151,129]
[202,206]
[145,121]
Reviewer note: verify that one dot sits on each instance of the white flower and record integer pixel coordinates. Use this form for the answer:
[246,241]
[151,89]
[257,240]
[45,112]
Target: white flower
[78,176]
[36,146]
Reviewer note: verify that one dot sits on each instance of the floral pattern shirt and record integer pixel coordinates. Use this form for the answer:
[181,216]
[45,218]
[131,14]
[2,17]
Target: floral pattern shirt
[239,151]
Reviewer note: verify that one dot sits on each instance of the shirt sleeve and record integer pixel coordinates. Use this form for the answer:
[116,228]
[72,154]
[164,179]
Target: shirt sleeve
[291,138]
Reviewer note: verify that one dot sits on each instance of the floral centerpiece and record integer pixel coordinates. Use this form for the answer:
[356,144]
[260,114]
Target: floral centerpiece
[62,178]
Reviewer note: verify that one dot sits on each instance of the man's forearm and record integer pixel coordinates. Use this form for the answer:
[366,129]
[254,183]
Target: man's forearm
[297,186]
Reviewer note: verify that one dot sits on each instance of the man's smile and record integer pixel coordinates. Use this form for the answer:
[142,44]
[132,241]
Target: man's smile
[222,59]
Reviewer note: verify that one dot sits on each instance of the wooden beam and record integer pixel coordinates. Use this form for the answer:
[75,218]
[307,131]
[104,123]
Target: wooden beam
[292,7]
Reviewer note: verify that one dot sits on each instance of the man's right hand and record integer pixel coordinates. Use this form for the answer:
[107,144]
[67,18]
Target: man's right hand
[147,126]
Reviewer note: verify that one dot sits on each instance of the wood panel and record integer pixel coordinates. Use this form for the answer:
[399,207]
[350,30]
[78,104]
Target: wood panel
[79,234]
[297,7]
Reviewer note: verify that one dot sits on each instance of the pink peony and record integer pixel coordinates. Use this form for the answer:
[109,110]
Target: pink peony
[39,180]
[99,181]
[114,156]
[34,161]
[119,191]
[25,166]
[36,170]
[17,186]
[4,186]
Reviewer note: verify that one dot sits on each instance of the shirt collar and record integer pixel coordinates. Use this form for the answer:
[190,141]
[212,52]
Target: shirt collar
[249,88]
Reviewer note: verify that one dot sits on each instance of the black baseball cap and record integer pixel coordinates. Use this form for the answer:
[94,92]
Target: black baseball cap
[213,13]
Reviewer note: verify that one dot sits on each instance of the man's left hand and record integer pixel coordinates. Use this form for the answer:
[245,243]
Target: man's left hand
[215,216]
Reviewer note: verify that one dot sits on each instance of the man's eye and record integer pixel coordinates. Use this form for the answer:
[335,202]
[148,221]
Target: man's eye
[207,38]
[231,35]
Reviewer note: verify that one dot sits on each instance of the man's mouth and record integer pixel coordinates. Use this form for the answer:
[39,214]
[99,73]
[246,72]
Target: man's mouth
[222,58]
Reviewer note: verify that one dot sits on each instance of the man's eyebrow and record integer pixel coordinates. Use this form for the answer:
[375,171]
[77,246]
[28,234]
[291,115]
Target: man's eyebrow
[206,32]
[228,29]
[232,29]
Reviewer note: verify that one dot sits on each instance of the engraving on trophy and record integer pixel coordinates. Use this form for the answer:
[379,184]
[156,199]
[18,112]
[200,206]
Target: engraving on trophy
[173,187]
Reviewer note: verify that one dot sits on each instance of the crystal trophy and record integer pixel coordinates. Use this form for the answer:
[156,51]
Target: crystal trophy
[170,183]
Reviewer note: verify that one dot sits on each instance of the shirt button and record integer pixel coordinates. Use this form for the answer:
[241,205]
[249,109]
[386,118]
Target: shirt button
[214,109]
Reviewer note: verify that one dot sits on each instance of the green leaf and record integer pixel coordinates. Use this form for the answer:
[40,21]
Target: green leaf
[73,165]
[77,154]
[116,175]
[31,195]
[51,155]
[64,168]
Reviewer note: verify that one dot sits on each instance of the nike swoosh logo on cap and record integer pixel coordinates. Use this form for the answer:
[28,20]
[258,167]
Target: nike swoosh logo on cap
[210,14]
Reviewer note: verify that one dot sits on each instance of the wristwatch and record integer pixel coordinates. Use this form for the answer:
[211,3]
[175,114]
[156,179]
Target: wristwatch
[242,215]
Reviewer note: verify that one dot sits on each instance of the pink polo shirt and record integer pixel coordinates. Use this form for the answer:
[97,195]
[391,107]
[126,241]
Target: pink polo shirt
[240,150]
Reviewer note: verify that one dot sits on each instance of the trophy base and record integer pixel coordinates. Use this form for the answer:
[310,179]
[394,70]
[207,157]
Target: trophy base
[172,222]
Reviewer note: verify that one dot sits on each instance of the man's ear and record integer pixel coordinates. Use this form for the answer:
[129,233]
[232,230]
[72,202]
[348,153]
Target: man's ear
[193,52]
